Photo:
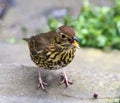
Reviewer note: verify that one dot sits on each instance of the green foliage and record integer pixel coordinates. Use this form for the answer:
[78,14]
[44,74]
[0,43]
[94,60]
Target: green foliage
[117,100]
[97,27]
[11,40]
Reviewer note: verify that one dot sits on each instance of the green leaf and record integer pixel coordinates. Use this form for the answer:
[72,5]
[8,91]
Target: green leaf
[53,23]
[85,31]
[101,41]
[11,40]
[118,27]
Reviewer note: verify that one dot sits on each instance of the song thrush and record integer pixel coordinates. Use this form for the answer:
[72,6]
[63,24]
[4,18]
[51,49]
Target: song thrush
[53,50]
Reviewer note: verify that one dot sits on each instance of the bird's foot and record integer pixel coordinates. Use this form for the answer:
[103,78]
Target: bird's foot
[64,79]
[42,84]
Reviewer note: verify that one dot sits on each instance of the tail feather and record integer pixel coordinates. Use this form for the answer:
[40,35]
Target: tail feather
[26,39]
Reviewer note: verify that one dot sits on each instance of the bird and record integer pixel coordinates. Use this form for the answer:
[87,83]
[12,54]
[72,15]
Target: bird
[53,50]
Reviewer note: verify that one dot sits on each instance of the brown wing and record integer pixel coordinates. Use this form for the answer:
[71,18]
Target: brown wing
[41,42]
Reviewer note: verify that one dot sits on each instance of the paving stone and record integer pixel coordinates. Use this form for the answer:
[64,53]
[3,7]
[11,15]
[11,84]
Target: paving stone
[18,84]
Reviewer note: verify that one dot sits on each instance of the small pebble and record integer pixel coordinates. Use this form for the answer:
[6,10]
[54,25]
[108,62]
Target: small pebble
[21,94]
[95,95]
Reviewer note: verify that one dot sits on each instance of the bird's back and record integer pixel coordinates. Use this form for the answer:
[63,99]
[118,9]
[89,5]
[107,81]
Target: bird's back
[41,41]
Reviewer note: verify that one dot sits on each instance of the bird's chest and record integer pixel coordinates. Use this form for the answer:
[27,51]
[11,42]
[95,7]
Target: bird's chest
[67,57]
[55,60]
[58,60]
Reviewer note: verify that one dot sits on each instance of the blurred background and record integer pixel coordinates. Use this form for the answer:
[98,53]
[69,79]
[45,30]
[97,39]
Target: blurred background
[96,22]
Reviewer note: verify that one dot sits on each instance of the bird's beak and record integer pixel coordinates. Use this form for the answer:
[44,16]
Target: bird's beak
[75,43]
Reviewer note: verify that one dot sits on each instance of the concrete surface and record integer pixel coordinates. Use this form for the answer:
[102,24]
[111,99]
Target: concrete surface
[18,85]
[92,71]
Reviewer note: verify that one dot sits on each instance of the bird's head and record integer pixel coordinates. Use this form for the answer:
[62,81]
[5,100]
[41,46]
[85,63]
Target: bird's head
[67,35]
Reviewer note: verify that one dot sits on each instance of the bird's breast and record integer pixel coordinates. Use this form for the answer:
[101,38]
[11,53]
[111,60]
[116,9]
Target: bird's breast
[53,59]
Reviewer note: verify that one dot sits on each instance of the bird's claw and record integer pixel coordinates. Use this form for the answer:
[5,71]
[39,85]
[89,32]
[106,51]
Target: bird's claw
[42,85]
[65,80]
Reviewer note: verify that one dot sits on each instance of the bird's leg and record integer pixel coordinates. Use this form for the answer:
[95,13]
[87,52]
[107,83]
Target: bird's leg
[65,79]
[41,82]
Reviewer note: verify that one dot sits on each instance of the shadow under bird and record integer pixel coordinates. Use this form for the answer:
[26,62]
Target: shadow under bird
[53,50]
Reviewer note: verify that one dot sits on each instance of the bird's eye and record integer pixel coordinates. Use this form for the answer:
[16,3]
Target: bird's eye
[63,36]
